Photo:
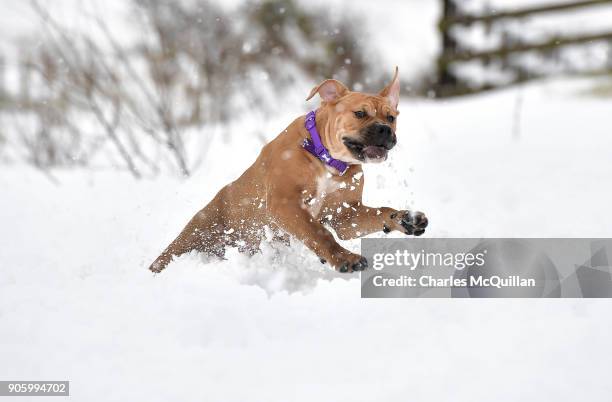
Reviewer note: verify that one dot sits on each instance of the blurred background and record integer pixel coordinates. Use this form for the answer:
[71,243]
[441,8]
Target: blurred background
[145,86]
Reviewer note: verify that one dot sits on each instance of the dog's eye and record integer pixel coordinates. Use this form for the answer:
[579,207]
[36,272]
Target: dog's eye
[390,119]
[360,114]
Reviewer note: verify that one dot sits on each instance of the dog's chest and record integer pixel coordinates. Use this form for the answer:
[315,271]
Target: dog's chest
[326,184]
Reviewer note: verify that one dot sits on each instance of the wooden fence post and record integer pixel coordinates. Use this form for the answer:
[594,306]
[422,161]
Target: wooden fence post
[445,78]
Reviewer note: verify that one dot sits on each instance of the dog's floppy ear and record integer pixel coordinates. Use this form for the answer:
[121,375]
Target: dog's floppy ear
[392,90]
[329,90]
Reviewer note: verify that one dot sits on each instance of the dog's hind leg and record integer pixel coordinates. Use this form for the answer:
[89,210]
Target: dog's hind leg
[204,233]
[282,238]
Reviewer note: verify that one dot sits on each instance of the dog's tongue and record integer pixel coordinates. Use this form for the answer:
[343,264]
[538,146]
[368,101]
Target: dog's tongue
[374,152]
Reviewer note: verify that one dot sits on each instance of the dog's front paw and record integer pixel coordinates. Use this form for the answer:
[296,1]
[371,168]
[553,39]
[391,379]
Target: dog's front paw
[411,223]
[347,262]
[359,265]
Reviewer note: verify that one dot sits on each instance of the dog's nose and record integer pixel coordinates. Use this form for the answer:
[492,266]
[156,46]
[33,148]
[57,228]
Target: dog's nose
[384,136]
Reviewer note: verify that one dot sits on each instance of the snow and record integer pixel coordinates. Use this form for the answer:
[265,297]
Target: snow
[77,302]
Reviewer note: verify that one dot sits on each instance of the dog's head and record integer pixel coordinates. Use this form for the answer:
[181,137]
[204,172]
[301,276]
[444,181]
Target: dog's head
[359,127]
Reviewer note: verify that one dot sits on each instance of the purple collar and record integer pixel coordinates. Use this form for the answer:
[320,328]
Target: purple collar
[316,148]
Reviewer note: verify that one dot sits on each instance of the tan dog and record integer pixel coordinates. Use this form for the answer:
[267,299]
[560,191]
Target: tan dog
[292,192]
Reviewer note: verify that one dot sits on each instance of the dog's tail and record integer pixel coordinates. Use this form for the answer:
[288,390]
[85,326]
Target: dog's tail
[186,241]
[200,235]
[160,262]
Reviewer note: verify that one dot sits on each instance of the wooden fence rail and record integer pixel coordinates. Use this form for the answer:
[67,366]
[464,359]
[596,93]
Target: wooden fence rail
[467,19]
[554,42]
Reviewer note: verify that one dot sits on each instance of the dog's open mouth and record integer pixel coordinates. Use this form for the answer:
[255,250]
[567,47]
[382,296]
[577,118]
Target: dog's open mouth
[366,153]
